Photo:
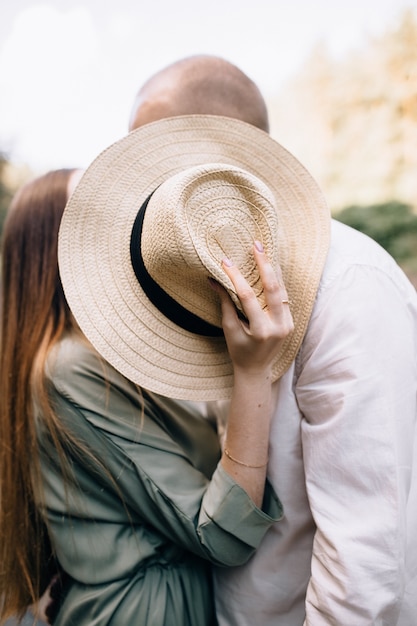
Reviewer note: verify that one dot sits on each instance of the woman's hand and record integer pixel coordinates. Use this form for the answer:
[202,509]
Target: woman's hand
[253,345]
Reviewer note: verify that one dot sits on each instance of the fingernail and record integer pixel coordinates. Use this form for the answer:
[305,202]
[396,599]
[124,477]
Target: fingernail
[259,246]
[227,262]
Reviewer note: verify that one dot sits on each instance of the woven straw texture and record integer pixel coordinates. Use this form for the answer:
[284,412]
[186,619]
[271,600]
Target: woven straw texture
[204,207]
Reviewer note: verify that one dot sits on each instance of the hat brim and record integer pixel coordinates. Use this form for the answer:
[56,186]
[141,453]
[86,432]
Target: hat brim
[94,260]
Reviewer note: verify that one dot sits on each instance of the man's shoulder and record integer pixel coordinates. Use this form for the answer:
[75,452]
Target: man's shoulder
[351,249]
[355,247]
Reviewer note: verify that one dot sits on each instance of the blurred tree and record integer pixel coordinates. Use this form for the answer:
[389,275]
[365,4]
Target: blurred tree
[353,121]
[6,192]
[12,176]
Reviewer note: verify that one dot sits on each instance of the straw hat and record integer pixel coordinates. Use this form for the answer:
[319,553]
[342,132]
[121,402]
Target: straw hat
[154,215]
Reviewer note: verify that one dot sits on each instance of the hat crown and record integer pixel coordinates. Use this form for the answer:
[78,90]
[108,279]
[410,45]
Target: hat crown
[194,220]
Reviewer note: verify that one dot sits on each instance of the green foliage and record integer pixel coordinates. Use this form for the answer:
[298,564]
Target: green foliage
[12,177]
[393,225]
[6,193]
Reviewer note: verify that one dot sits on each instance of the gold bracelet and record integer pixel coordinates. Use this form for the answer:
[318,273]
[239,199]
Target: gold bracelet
[232,458]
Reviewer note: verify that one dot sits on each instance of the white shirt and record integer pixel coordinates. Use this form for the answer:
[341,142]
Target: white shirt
[343,460]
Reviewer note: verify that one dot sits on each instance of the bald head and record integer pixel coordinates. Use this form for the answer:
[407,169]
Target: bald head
[204,85]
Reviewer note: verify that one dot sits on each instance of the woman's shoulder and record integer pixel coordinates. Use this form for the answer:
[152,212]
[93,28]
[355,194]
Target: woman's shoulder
[80,376]
[73,365]
[70,355]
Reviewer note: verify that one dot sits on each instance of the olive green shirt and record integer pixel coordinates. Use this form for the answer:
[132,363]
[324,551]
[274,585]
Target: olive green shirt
[138,527]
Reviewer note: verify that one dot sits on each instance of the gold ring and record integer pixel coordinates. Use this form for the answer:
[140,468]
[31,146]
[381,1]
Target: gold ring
[286,301]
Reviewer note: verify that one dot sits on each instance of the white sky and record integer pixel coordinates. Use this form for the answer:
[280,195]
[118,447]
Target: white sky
[69,70]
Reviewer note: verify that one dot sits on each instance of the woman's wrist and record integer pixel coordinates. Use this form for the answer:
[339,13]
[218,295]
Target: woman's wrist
[251,465]
[252,376]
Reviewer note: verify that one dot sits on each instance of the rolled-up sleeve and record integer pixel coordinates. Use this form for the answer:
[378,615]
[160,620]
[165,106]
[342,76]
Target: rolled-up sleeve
[228,512]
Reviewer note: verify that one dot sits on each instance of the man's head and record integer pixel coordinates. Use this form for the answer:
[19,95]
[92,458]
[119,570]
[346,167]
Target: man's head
[201,84]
